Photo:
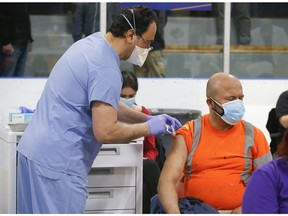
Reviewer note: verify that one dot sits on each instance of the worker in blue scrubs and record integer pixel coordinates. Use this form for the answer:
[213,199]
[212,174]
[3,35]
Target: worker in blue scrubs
[79,110]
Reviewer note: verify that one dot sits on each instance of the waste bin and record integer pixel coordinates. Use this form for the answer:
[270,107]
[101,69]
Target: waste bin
[183,115]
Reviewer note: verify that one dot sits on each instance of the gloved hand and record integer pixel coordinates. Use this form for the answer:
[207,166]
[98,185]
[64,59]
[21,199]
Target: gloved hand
[171,124]
[26,110]
[157,125]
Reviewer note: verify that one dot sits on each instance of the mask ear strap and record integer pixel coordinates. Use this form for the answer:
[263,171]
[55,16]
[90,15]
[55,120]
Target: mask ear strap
[128,21]
[218,105]
[133,19]
[134,28]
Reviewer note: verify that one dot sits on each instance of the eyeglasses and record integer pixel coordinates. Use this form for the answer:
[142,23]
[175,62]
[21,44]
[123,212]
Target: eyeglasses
[147,43]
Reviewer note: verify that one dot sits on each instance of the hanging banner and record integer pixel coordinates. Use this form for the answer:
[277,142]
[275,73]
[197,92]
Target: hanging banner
[203,6]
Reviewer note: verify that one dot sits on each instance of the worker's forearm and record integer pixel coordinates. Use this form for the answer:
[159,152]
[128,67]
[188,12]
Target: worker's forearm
[122,132]
[129,115]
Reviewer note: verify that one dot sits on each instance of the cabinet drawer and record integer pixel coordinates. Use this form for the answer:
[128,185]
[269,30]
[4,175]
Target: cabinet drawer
[112,177]
[111,198]
[119,155]
[111,212]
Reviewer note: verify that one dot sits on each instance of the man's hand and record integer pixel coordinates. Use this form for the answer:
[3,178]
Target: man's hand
[157,125]
[8,49]
[171,124]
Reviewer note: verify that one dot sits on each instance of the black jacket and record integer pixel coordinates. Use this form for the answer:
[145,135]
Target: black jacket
[15,23]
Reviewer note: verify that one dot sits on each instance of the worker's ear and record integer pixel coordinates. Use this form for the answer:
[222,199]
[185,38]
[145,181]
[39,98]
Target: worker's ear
[130,36]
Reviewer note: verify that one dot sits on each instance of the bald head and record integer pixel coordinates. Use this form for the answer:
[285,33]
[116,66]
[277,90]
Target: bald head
[223,83]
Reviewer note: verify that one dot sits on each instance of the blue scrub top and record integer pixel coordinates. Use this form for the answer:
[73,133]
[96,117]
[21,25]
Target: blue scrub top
[60,135]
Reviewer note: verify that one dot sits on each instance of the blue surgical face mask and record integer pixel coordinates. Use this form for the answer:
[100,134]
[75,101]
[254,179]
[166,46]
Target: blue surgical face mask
[129,102]
[233,111]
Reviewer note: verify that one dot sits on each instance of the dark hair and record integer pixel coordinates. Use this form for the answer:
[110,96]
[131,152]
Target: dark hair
[283,146]
[129,80]
[143,16]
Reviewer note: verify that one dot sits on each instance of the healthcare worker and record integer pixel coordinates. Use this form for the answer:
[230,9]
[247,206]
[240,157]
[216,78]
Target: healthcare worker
[79,110]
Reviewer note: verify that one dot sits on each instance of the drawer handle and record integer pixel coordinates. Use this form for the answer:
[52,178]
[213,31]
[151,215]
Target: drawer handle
[109,151]
[101,194]
[102,171]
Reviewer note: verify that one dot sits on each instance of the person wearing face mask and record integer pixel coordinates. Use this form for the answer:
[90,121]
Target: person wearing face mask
[127,96]
[78,111]
[213,157]
[151,170]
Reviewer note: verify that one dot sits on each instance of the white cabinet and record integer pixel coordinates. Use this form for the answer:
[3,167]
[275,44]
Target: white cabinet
[114,182]
[8,158]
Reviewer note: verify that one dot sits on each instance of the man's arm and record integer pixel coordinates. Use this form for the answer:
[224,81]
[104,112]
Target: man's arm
[107,128]
[172,171]
[129,115]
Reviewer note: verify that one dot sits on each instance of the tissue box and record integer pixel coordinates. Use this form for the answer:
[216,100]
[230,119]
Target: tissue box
[20,117]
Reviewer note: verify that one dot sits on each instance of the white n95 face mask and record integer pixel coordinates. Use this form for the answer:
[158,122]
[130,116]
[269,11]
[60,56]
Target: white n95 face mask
[138,56]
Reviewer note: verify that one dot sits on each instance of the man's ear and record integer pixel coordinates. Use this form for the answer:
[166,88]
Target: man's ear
[129,35]
[209,102]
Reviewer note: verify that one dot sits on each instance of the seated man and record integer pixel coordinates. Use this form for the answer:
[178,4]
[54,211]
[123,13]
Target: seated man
[225,151]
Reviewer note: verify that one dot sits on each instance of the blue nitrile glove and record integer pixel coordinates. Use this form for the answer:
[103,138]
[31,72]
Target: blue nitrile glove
[172,123]
[157,125]
[26,110]
[148,117]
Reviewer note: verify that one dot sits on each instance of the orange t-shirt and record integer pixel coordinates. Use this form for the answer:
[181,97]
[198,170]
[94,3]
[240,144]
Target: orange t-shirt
[218,162]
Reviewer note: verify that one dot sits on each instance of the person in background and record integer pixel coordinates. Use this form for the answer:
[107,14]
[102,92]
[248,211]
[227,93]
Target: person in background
[267,190]
[277,122]
[213,157]
[86,18]
[241,14]
[281,112]
[15,36]
[78,111]
[151,171]
[127,96]
[154,65]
